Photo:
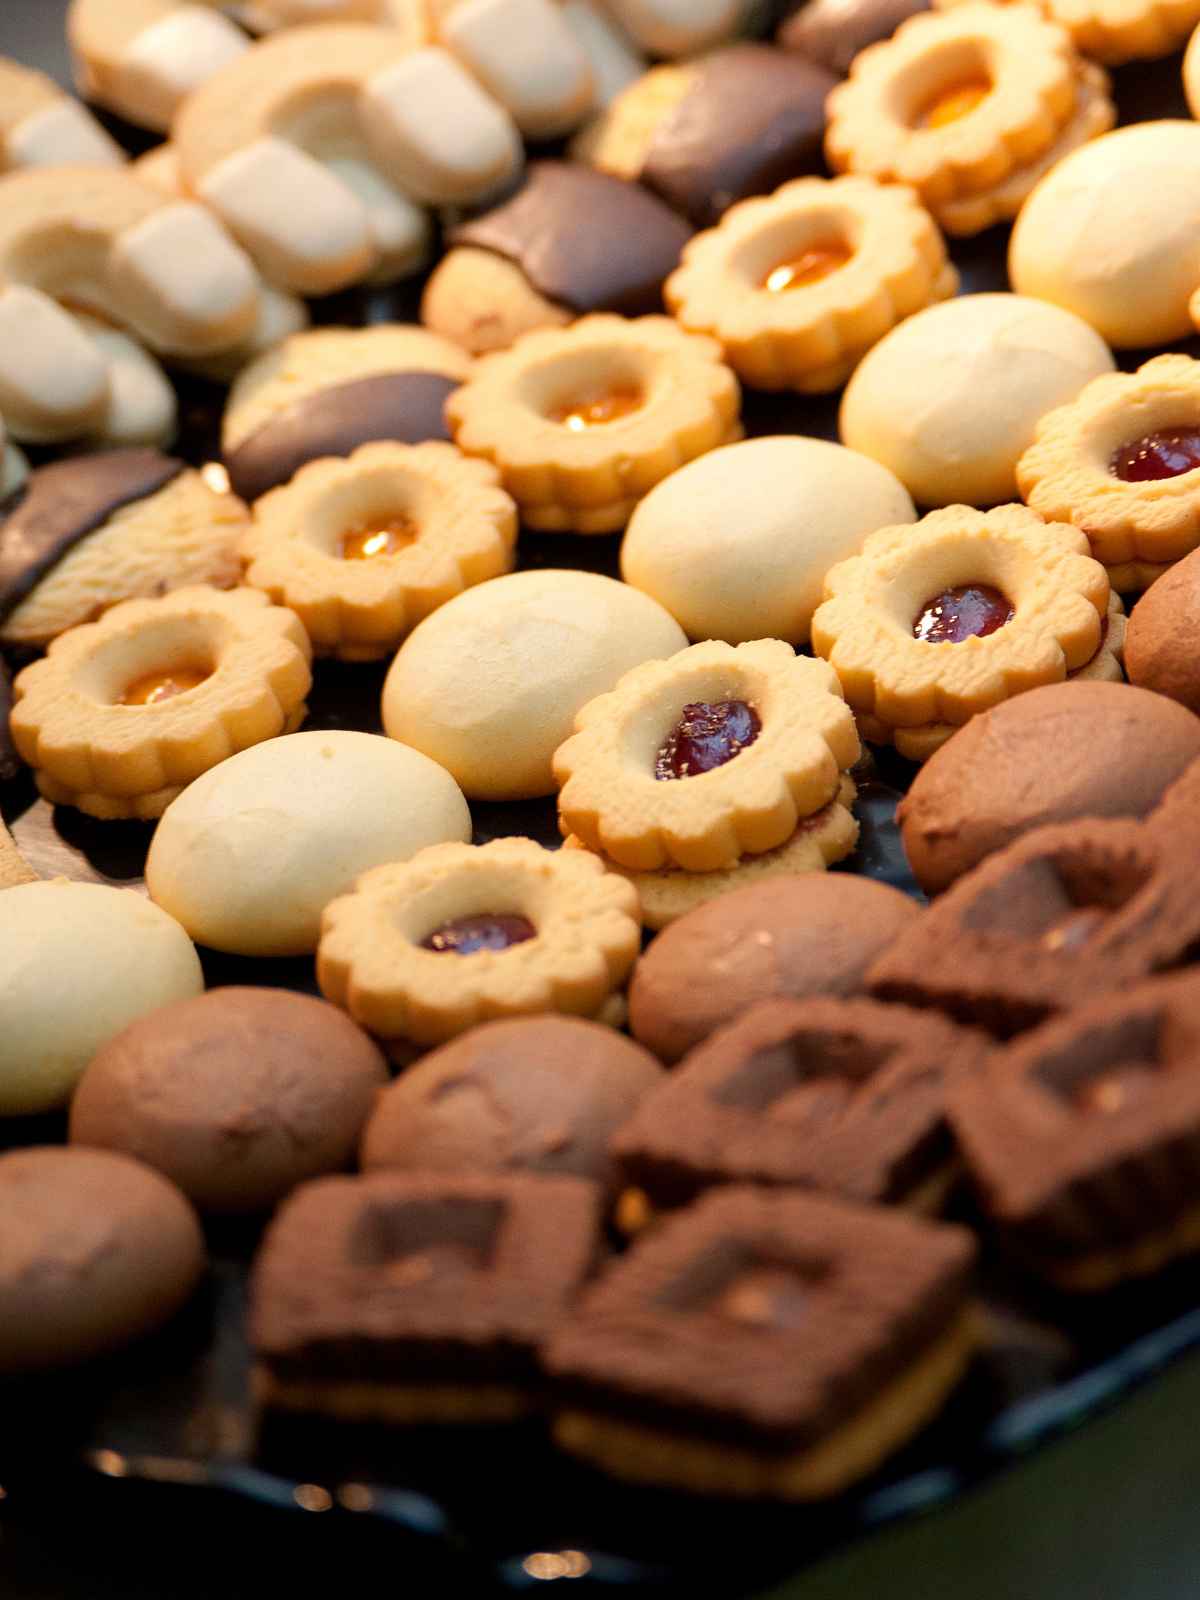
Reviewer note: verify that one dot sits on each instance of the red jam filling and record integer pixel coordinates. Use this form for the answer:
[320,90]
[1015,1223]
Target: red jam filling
[488,931]
[971,611]
[705,737]
[1111,1092]
[1159,455]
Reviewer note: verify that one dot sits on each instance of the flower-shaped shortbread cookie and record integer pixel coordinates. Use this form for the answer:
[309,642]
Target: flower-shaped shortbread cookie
[934,622]
[1122,462]
[827,836]
[715,753]
[1115,31]
[460,934]
[584,421]
[797,287]
[362,549]
[121,714]
[969,107]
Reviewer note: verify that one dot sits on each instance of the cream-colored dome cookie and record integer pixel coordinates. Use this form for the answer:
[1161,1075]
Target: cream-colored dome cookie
[424,949]
[714,754]
[1113,234]
[362,549]
[1115,31]
[934,623]
[950,399]
[489,684]
[736,544]
[583,421]
[122,714]
[796,287]
[1122,462]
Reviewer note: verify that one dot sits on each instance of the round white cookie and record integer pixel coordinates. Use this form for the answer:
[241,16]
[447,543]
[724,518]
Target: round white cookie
[736,544]
[78,962]
[949,400]
[489,684]
[250,854]
[1113,234]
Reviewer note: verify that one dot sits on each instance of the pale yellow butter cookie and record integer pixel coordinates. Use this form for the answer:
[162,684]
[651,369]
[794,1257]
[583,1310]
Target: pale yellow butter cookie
[1116,31]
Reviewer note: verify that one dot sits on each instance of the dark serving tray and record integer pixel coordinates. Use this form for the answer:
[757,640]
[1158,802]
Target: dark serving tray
[178,1409]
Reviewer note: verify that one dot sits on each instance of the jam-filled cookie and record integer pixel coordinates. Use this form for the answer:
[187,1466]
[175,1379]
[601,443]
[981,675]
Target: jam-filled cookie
[933,623]
[326,391]
[90,531]
[584,421]
[122,714]
[833,32]
[971,107]
[422,950]
[1128,30]
[40,126]
[1120,461]
[797,287]
[706,133]
[694,762]
[362,549]
[547,256]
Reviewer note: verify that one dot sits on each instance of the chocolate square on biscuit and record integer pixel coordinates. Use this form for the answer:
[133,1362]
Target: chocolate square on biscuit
[417,1297]
[764,1343]
[846,1096]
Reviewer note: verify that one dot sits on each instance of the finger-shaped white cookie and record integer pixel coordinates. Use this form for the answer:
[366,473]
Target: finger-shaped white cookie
[141,58]
[264,16]
[614,58]
[102,239]
[142,408]
[40,126]
[279,316]
[526,54]
[54,382]
[678,27]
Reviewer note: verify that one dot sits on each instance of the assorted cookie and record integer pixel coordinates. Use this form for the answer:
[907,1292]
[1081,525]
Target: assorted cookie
[40,126]
[1159,642]
[1133,30]
[832,32]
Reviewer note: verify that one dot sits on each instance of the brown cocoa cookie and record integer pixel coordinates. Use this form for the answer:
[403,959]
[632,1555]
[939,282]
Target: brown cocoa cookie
[785,937]
[538,1094]
[237,1095]
[1058,753]
[832,32]
[1160,652]
[10,761]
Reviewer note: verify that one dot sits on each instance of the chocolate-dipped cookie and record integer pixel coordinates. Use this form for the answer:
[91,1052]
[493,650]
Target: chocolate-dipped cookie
[10,761]
[1058,753]
[709,132]
[83,534]
[832,32]
[570,241]
[783,938]
[538,1094]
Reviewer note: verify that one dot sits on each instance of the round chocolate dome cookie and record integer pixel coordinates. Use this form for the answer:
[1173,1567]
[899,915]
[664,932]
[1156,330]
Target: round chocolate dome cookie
[1160,649]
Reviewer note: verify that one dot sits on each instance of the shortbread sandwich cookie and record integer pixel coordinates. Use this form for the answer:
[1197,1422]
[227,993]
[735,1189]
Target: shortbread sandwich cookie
[833,32]
[88,532]
[1114,34]
[417,1297]
[424,949]
[764,1345]
[703,134]
[363,549]
[40,126]
[547,256]
[931,624]
[970,107]
[1120,461]
[120,715]
[798,286]
[584,421]
[326,391]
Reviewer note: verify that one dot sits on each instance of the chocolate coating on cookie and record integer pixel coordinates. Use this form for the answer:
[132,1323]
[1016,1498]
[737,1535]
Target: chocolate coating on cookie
[1065,751]
[10,761]
[1160,649]
[405,407]
[61,504]
[237,1095]
[586,240]
[832,32]
[753,117]
[784,938]
[543,1094]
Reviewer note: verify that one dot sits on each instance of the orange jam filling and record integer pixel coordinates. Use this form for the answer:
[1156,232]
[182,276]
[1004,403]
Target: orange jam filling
[579,415]
[383,539]
[810,266]
[949,105]
[156,687]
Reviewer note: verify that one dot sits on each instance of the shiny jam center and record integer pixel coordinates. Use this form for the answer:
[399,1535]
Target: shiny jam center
[378,539]
[810,266]
[971,611]
[1111,1092]
[705,737]
[579,415]
[765,1297]
[949,105]
[487,931]
[1159,455]
[156,687]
